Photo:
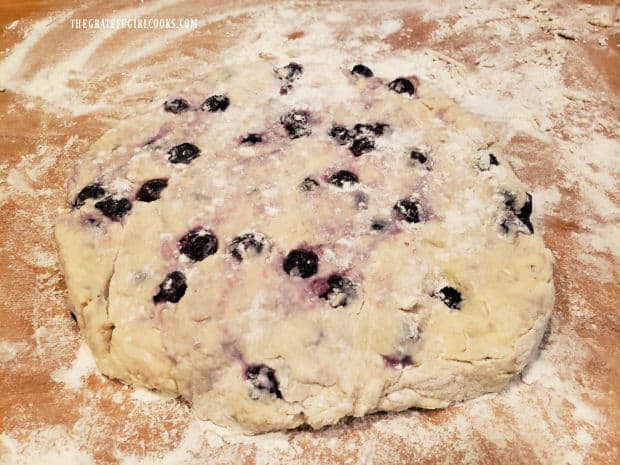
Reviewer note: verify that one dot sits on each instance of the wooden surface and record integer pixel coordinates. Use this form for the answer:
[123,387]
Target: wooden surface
[45,419]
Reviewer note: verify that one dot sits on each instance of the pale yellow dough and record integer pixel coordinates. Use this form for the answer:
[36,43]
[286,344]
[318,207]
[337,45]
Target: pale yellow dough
[329,362]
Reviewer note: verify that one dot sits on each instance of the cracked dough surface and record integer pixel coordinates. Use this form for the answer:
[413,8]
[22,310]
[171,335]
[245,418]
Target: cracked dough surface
[249,344]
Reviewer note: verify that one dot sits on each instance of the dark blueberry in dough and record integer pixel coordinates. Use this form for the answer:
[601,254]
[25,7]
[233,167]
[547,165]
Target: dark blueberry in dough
[485,162]
[419,156]
[198,245]
[342,177]
[73,317]
[295,123]
[91,191]
[172,288]
[362,70]
[407,210]
[309,184]
[114,208]
[378,225]
[380,128]
[525,212]
[340,134]
[290,72]
[522,214]
[151,190]
[177,105]
[340,291]
[263,378]
[183,153]
[402,86]
[363,129]
[360,200]
[245,244]
[301,262]
[362,145]
[215,103]
[252,138]
[450,296]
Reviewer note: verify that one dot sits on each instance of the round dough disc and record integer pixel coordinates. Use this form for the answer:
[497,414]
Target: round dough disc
[282,245]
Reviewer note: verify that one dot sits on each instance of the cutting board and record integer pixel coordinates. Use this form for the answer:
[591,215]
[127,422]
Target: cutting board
[544,75]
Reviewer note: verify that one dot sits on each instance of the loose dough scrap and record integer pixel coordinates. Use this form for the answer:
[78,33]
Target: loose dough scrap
[299,244]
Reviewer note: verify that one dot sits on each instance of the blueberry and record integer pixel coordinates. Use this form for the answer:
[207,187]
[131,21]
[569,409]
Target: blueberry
[295,123]
[418,156]
[342,177]
[290,72]
[263,378]
[362,145]
[244,244]
[364,129]
[407,210]
[215,103]
[378,225]
[309,184]
[198,244]
[151,190]
[340,134]
[114,208]
[522,214]
[340,290]
[360,200]
[485,161]
[172,288]
[525,212]
[380,128]
[177,105]
[402,86]
[450,296]
[91,191]
[183,153]
[362,70]
[252,138]
[301,262]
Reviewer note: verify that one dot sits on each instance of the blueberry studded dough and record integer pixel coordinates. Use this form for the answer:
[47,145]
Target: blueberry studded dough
[292,243]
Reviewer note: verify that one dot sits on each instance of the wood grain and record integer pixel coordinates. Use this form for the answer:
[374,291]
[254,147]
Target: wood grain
[32,290]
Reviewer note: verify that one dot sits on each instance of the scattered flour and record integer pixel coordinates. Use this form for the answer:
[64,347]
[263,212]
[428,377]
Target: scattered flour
[10,350]
[519,90]
[73,377]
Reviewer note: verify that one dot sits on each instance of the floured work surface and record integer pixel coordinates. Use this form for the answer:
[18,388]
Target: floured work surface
[550,97]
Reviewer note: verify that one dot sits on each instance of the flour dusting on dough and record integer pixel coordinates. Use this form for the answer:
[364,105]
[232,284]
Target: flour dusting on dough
[497,88]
